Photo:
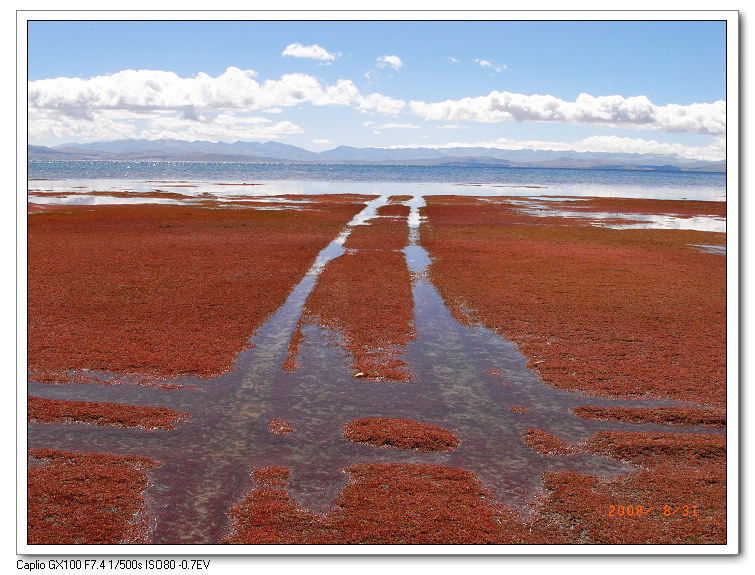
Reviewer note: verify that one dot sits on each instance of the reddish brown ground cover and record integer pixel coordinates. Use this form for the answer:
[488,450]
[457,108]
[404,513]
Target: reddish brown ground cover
[394,210]
[546,443]
[400,433]
[40,410]
[678,498]
[610,312]
[365,297]
[279,426]
[660,415]
[385,233]
[163,290]
[678,208]
[85,498]
[384,504]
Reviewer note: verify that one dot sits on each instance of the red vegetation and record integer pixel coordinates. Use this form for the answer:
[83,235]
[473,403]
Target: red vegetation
[381,234]
[272,476]
[41,410]
[609,312]
[425,504]
[660,415]
[163,291]
[400,433]
[517,408]
[268,515]
[365,297]
[383,504]
[677,208]
[394,210]
[682,493]
[86,498]
[279,427]
[546,443]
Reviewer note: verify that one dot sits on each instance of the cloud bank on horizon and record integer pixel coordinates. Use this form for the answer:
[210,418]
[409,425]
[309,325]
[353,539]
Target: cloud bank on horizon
[235,105]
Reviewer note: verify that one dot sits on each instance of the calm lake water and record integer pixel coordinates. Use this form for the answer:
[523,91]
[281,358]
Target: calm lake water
[297,178]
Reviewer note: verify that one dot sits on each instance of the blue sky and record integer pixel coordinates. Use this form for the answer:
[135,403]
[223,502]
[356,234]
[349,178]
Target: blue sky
[592,86]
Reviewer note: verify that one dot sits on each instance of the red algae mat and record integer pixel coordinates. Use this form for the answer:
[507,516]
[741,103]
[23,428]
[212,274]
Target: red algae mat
[40,410]
[662,415]
[675,499]
[86,498]
[384,504]
[621,313]
[678,498]
[162,291]
[364,298]
[146,292]
[460,443]
[400,433]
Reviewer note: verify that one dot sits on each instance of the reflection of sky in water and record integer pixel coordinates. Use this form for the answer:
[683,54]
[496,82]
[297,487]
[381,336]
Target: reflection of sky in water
[207,460]
[84,200]
[636,221]
[710,249]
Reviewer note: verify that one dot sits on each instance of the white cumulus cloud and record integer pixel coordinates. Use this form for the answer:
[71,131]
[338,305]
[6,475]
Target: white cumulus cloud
[615,111]
[63,107]
[390,61]
[146,90]
[314,52]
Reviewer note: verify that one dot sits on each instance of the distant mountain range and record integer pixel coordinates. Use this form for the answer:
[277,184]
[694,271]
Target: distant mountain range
[167,150]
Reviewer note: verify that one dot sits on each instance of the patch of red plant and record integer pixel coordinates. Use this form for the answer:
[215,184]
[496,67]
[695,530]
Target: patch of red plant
[426,504]
[659,415]
[271,476]
[365,297]
[163,291]
[546,443]
[86,498]
[678,208]
[517,408]
[384,504]
[380,234]
[620,313]
[682,492]
[279,427]
[40,410]
[400,433]
[394,210]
